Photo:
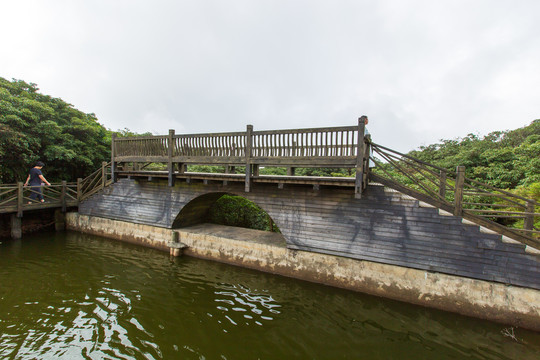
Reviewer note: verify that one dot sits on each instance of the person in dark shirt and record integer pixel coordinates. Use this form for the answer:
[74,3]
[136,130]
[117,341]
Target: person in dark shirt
[35,179]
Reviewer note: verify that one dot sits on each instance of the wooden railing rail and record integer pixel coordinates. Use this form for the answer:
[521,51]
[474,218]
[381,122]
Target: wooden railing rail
[95,182]
[496,209]
[230,144]
[315,142]
[141,146]
[329,142]
[17,197]
[313,147]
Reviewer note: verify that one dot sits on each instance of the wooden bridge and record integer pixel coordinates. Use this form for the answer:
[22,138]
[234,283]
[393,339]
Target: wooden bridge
[337,147]
[393,209]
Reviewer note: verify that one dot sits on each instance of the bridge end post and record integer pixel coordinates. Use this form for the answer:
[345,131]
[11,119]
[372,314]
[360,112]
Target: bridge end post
[528,223]
[170,165]
[249,132]
[63,196]
[442,184]
[359,181]
[20,199]
[103,175]
[79,190]
[113,156]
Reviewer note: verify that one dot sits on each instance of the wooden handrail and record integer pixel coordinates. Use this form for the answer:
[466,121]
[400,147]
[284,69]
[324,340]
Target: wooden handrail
[470,199]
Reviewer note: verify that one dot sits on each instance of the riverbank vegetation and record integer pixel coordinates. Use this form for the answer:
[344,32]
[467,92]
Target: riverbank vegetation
[507,160]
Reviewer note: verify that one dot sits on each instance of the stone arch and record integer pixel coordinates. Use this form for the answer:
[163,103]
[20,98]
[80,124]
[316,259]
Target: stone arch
[197,209]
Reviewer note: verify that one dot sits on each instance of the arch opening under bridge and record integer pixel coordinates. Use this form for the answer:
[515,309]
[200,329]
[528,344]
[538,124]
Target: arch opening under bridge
[225,208]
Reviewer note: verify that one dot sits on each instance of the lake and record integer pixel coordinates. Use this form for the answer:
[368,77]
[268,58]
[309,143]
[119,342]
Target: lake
[75,296]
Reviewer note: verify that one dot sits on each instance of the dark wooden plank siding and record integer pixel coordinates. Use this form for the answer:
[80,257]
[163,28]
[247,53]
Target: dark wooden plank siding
[384,226]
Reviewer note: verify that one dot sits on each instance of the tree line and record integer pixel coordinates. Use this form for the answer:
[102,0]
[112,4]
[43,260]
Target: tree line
[35,127]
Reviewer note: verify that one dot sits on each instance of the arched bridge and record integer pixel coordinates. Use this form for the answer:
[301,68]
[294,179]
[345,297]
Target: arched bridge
[393,209]
[431,219]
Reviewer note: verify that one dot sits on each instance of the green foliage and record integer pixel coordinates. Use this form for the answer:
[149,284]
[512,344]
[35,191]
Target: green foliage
[237,211]
[127,132]
[35,127]
[531,191]
[508,160]
[206,168]
[503,159]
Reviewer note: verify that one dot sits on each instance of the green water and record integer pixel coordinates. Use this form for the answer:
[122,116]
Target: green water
[75,296]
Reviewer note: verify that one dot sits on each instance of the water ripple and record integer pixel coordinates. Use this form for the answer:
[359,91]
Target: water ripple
[73,296]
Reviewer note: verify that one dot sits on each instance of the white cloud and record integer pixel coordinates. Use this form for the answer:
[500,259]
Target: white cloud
[421,70]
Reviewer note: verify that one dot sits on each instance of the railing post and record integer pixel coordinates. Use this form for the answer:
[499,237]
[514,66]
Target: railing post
[181,168]
[458,195]
[103,175]
[63,195]
[79,190]
[20,199]
[528,223]
[249,133]
[170,148]
[358,185]
[442,184]
[365,175]
[113,155]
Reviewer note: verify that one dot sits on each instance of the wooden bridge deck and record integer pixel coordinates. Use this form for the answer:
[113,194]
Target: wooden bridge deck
[16,198]
[38,206]
[276,179]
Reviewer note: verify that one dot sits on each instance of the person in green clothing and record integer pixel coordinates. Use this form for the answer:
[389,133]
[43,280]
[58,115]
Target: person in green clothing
[35,179]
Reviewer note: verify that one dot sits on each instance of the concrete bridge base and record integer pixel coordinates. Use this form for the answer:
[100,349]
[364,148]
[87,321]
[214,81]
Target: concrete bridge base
[514,305]
[16,226]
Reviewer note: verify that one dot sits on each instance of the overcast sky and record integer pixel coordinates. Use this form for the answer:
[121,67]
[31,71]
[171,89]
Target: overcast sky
[420,70]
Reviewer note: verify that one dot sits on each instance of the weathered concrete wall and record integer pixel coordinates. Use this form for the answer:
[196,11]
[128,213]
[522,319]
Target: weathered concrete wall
[488,300]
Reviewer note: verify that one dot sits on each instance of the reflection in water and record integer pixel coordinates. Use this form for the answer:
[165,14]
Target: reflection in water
[74,296]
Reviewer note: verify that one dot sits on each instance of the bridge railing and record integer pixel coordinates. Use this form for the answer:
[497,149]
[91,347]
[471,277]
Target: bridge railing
[344,147]
[301,145]
[291,148]
[495,209]
[94,182]
[17,197]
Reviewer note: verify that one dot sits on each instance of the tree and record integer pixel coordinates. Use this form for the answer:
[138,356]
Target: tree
[38,127]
